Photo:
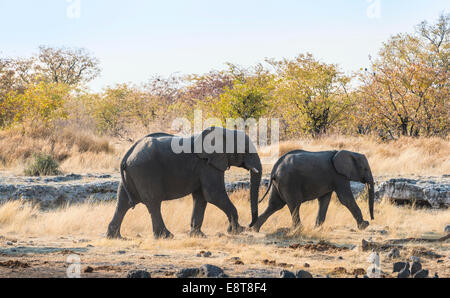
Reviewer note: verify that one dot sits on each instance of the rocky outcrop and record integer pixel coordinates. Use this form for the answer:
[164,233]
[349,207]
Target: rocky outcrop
[431,193]
[52,192]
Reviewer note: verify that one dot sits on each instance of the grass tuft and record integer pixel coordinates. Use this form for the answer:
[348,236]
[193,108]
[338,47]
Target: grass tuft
[42,165]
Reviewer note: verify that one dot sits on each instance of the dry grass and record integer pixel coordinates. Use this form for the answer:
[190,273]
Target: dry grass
[91,219]
[73,148]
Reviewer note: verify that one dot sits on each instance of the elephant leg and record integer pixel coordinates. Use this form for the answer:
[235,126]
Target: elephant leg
[198,214]
[159,228]
[293,198]
[295,209]
[275,204]
[324,202]
[347,199]
[220,199]
[123,205]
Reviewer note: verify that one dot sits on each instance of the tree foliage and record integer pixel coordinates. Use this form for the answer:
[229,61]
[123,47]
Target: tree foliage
[313,95]
[39,102]
[67,66]
[406,90]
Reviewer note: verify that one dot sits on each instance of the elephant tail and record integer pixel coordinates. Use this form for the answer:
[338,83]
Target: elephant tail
[123,168]
[124,184]
[268,189]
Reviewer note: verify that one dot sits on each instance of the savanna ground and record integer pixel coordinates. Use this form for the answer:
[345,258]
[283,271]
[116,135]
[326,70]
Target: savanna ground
[37,243]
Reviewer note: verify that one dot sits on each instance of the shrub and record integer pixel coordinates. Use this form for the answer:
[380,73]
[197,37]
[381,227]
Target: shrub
[42,165]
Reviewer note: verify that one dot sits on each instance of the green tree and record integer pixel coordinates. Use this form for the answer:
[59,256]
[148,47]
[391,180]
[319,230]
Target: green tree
[313,95]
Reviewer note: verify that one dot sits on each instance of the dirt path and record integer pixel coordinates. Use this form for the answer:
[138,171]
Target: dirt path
[259,256]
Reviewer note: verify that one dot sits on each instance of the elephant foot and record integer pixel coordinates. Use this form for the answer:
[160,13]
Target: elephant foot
[165,234]
[363,225]
[113,233]
[197,234]
[114,237]
[254,228]
[236,230]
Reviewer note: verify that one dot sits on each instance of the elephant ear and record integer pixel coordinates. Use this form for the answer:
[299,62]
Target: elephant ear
[345,164]
[217,160]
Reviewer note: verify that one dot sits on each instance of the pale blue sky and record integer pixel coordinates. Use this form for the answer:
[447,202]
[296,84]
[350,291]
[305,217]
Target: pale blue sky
[136,39]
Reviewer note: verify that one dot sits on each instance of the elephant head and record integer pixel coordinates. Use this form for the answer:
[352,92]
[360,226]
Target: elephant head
[223,148]
[356,167]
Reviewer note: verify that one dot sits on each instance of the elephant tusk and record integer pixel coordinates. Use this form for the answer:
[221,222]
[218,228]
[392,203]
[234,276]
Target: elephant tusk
[254,170]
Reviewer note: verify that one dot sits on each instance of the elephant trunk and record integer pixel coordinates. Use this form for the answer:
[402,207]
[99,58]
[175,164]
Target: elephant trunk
[371,187]
[255,183]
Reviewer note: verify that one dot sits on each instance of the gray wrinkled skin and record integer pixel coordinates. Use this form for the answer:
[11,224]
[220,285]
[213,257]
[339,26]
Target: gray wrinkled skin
[301,176]
[152,173]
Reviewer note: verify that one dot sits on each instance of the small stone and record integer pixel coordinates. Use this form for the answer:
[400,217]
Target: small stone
[447,229]
[139,274]
[415,267]
[303,274]
[364,245]
[123,263]
[399,266]
[88,269]
[236,261]
[436,275]
[9,243]
[340,258]
[359,271]
[394,254]
[286,274]
[307,265]
[121,252]
[188,273]
[210,271]
[405,273]
[414,259]
[204,254]
[422,274]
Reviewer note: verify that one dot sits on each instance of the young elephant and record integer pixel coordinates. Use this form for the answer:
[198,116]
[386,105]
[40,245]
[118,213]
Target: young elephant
[302,176]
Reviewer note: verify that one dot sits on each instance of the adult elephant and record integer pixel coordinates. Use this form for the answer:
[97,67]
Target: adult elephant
[302,176]
[156,170]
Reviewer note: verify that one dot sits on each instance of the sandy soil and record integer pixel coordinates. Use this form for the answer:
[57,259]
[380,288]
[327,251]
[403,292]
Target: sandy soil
[246,255]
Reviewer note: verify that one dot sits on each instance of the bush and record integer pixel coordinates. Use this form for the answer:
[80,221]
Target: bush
[42,165]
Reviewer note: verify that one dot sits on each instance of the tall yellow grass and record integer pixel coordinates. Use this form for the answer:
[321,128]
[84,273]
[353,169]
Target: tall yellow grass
[76,149]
